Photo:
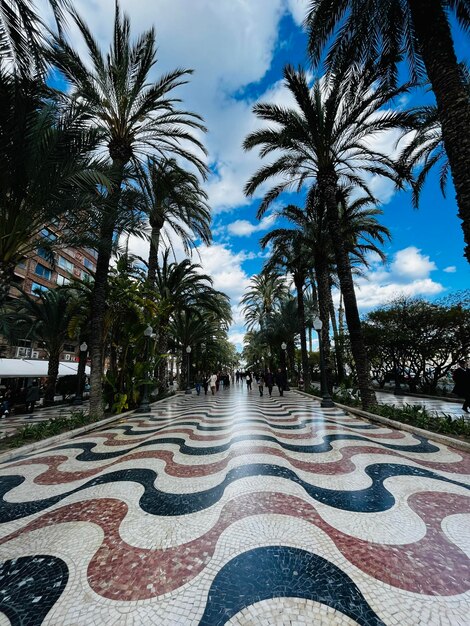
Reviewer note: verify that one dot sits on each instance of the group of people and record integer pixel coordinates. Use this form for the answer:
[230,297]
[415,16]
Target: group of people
[213,382]
[264,380]
[27,396]
[461,376]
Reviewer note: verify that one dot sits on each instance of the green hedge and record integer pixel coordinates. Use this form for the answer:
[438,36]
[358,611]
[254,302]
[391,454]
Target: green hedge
[49,428]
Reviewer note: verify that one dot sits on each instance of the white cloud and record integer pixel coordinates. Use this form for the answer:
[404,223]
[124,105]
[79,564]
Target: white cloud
[450,270]
[408,275]
[298,9]
[244,228]
[409,263]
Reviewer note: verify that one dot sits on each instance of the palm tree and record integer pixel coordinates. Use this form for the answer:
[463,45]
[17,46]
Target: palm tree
[23,34]
[173,199]
[291,252]
[325,141]
[420,30]
[426,149]
[182,287]
[46,315]
[134,116]
[46,169]
[263,297]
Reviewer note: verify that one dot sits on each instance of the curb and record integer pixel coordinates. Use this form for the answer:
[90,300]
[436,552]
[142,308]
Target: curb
[444,439]
[14,453]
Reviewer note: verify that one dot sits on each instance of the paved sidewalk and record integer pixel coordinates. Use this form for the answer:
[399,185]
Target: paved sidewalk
[237,510]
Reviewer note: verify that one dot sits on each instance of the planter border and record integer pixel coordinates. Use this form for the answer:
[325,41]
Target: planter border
[16,453]
[372,417]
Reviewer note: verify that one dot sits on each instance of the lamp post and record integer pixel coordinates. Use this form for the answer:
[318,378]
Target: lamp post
[326,402]
[188,352]
[284,363]
[398,391]
[144,406]
[78,400]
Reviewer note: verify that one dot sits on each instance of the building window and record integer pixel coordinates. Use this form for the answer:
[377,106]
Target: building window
[91,252]
[85,276]
[68,347]
[61,280]
[36,289]
[44,254]
[48,234]
[88,264]
[64,264]
[42,270]
[22,264]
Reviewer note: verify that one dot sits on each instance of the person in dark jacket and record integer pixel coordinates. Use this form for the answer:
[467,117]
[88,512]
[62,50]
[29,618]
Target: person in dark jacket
[281,381]
[269,381]
[32,396]
[461,377]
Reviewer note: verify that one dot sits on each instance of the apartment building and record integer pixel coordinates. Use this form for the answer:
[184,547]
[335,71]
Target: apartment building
[38,273]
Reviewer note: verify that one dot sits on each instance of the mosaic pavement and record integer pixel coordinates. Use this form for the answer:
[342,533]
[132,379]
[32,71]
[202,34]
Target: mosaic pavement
[237,509]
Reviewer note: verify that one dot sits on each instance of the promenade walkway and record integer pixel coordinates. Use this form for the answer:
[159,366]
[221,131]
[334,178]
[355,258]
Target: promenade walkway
[238,510]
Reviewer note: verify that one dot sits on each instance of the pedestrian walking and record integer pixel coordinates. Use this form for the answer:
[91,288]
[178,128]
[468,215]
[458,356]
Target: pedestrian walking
[213,383]
[198,384]
[249,380]
[32,396]
[281,381]
[7,403]
[461,377]
[260,383]
[269,381]
[205,384]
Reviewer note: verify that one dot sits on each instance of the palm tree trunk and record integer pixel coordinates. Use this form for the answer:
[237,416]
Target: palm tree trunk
[7,272]
[323,286]
[299,286]
[338,346]
[153,254]
[52,374]
[327,181]
[100,289]
[437,49]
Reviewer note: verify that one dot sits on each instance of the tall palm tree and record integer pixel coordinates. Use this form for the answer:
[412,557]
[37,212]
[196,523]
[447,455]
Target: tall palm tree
[290,251]
[263,297]
[47,317]
[46,168]
[135,116]
[174,199]
[182,287]
[325,141]
[420,30]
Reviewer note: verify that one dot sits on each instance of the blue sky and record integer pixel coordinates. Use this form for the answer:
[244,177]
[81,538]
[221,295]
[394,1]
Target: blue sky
[238,49]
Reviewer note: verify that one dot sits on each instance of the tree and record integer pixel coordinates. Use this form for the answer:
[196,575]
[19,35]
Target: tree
[325,141]
[134,116]
[46,316]
[263,298]
[23,34]
[290,251]
[173,199]
[419,29]
[46,170]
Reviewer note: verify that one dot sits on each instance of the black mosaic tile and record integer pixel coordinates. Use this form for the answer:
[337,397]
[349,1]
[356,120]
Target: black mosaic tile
[281,572]
[29,588]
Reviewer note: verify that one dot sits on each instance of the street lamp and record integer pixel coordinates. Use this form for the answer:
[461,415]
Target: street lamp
[284,362]
[326,402]
[144,406]
[80,371]
[188,352]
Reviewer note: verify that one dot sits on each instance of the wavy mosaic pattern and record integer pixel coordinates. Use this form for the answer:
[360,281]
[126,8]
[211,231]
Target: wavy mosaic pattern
[236,509]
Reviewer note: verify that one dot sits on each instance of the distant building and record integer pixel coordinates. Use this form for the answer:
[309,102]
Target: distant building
[37,273]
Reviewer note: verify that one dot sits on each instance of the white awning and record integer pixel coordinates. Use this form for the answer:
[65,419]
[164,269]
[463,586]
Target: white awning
[35,368]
